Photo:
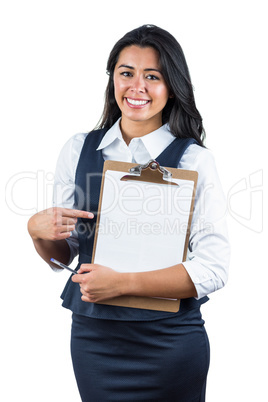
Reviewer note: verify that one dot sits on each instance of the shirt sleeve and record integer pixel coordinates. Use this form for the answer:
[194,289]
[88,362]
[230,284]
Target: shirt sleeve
[64,183]
[208,251]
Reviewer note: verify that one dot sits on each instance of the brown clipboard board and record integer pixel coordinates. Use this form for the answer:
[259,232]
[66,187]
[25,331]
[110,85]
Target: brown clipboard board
[152,173]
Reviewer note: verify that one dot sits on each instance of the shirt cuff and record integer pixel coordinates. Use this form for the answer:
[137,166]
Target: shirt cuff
[204,280]
[73,247]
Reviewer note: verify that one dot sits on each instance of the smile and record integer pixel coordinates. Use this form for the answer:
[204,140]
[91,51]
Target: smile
[137,102]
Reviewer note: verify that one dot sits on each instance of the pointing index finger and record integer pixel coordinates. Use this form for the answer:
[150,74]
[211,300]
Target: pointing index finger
[76,213]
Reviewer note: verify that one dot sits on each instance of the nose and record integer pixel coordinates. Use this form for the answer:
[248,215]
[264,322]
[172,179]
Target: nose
[138,84]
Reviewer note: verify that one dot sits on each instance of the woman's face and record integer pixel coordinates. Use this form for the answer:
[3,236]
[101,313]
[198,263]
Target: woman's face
[140,89]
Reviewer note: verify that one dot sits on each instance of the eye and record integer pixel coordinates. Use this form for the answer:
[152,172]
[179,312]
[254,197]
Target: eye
[152,77]
[126,74]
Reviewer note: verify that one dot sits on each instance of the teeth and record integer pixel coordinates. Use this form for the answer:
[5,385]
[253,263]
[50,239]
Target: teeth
[136,102]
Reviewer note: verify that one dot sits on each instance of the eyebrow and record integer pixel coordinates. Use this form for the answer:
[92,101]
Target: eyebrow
[146,69]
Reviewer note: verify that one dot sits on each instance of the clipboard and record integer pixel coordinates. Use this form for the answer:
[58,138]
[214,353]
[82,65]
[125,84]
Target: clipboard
[143,223]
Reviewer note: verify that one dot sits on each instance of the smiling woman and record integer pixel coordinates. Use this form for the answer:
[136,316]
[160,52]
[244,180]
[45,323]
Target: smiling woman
[149,113]
[141,92]
[165,62]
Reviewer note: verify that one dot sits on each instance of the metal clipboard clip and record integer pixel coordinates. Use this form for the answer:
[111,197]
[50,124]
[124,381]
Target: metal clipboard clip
[151,172]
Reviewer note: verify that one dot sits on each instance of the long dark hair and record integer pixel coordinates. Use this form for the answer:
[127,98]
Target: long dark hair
[180,111]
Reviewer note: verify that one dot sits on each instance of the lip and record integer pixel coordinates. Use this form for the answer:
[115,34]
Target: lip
[137,106]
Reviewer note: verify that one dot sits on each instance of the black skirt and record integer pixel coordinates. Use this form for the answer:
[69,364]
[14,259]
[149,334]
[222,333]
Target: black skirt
[165,360]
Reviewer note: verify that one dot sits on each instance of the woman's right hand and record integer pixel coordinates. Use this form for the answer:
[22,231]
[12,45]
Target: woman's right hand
[55,223]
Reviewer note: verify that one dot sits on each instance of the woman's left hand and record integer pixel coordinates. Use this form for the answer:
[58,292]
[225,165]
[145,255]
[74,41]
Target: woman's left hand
[98,283]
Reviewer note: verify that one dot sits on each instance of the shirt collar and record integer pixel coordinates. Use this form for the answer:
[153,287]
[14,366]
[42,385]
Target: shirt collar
[155,142]
[111,135]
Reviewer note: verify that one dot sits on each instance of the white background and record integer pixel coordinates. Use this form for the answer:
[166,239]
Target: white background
[53,61]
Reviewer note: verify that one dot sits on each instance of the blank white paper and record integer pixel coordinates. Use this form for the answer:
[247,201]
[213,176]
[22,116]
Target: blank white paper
[142,225]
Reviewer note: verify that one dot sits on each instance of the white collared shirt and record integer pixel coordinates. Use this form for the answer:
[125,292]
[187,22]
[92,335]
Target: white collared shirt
[208,254]
[139,150]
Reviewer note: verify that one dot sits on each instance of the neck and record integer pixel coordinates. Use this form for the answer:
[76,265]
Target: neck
[135,129]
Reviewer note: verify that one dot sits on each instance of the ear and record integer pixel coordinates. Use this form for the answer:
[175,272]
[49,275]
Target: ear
[171,96]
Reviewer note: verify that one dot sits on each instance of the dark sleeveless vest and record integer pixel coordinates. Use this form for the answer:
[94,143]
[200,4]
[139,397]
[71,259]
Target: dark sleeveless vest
[87,189]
